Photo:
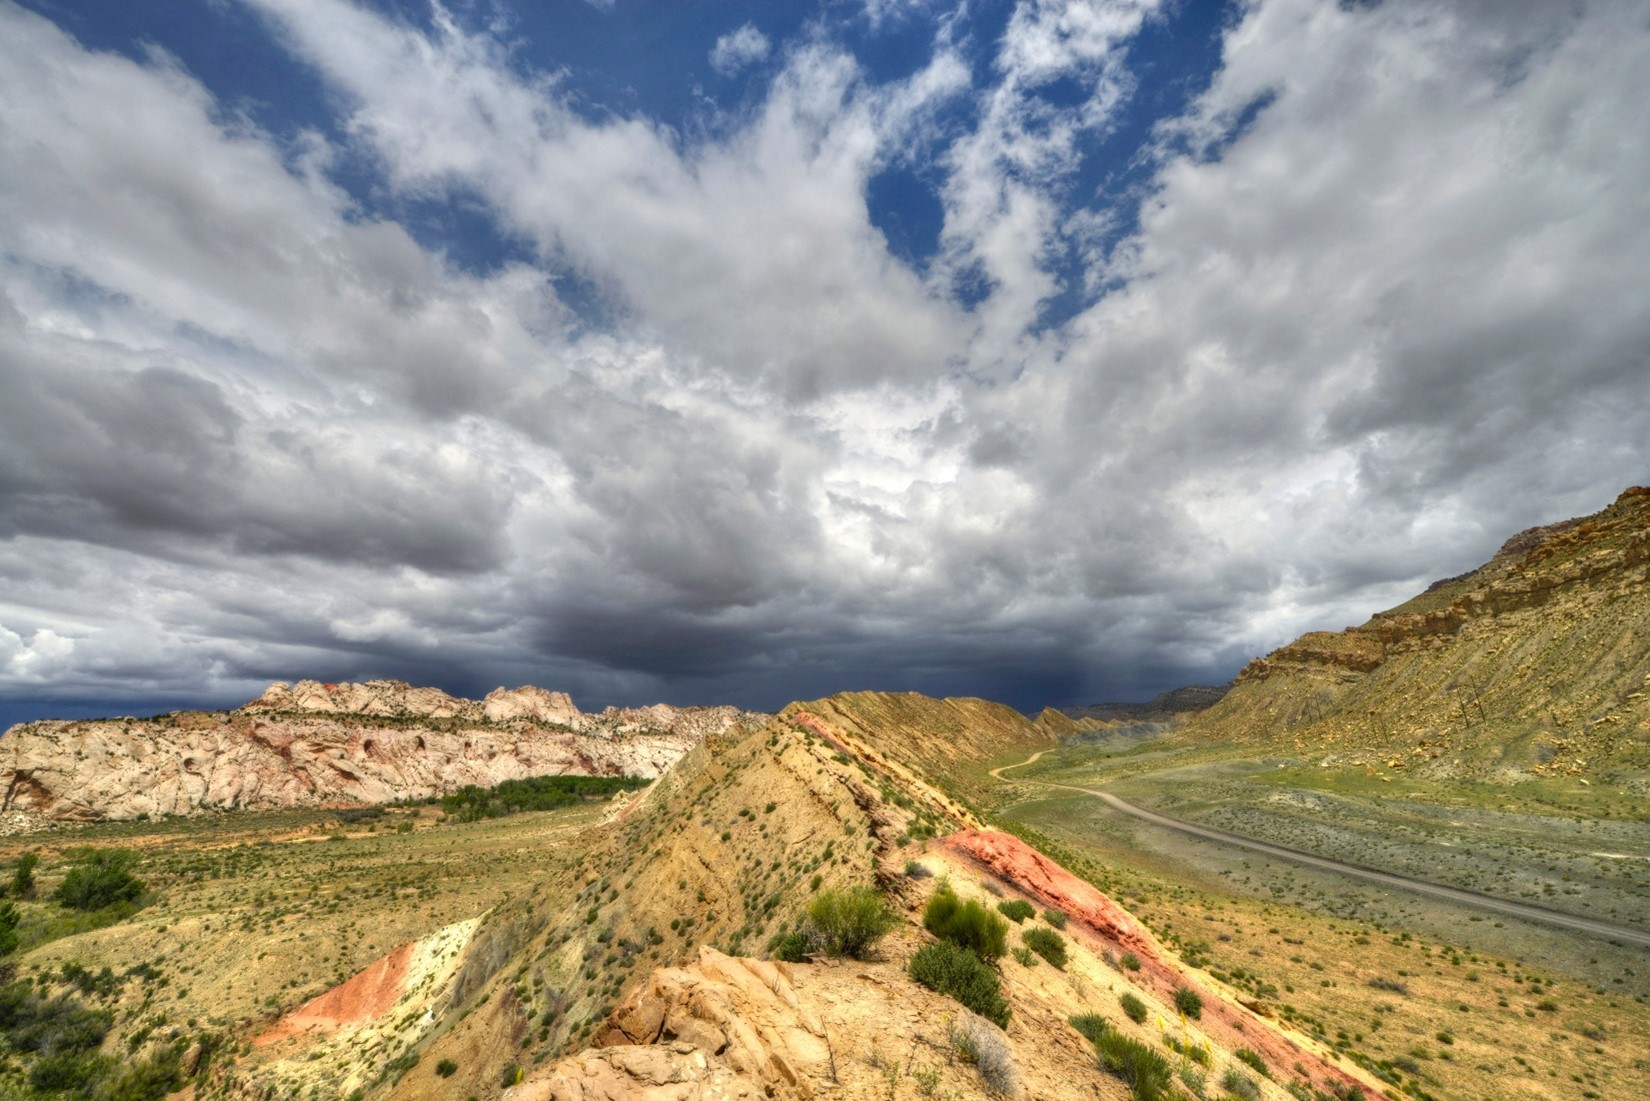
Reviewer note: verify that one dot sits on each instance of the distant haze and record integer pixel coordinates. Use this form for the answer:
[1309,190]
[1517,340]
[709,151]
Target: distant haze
[1050,352]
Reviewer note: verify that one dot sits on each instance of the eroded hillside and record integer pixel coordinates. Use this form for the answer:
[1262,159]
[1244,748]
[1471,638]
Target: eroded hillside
[640,971]
[1536,663]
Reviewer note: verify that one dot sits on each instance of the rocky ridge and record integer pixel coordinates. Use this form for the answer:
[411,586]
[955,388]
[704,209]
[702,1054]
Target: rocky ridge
[1536,663]
[316,744]
[644,980]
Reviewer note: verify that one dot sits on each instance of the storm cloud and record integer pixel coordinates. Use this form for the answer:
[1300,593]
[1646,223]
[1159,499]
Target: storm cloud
[1370,300]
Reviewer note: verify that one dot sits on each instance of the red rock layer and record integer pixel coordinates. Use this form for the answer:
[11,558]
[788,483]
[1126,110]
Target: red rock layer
[367,995]
[1019,865]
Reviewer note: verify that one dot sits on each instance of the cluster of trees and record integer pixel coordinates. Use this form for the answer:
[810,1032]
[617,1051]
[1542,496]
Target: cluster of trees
[60,1035]
[64,1036]
[97,879]
[471,803]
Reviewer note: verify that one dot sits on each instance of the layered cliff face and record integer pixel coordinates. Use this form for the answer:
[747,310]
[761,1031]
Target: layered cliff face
[1538,662]
[314,744]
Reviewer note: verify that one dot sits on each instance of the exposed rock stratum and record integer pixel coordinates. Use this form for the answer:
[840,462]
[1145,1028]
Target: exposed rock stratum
[1537,662]
[316,744]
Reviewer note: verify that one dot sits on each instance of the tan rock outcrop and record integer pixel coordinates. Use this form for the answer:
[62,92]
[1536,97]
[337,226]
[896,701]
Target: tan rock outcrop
[666,1072]
[724,1026]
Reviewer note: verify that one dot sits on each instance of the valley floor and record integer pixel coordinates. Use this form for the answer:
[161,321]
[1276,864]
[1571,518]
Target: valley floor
[253,913]
[1483,1006]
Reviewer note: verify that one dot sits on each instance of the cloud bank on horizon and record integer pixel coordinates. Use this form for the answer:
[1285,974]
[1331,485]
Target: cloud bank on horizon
[1046,351]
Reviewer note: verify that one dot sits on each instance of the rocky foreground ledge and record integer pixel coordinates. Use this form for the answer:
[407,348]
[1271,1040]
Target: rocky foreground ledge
[318,744]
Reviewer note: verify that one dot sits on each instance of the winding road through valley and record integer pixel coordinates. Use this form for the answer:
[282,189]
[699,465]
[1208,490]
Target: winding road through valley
[1620,934]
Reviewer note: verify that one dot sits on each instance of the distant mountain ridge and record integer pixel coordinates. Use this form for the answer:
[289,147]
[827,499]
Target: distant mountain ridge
[317,744]
[398,699]
[1536,663]
[1177,701]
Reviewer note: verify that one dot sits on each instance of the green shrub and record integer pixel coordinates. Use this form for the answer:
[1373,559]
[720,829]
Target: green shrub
[1130,962]
[1188,1002]
[62,1023]
[471,803]
[1191,1049]
[9,917]
[917,870]
[446,1068]
[1055,918]
[66,1035]
[1239,1085]
[1147,1073]
[22,880]
[967,924]
[850,922]
[1047,944]
[67,1070]
[1091,1025]
[1016,909]
[102,983]
[401,1064]
[99,878]
[790,947]
[150,1080]
[1024,956]
[1253,1059]
[512,1076]
[957,972]
[1133,1008]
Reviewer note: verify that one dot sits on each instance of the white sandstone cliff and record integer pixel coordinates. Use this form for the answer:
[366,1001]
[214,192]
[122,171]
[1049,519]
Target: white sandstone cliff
[315,744]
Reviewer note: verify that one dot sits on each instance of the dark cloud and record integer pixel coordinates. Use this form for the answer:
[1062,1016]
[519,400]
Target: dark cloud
[110,456]
[1384,307]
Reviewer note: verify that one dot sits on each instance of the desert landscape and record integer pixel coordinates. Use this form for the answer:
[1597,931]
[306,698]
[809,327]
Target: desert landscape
[668,903]
[868,550]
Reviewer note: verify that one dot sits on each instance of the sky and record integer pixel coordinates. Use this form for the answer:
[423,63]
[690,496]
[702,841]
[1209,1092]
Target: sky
[740,352]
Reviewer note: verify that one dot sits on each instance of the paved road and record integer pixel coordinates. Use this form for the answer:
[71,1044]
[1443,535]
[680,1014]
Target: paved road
[1608,930]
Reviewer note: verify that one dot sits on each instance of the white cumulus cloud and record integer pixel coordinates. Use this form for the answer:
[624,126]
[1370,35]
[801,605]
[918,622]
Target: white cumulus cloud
[739,49]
